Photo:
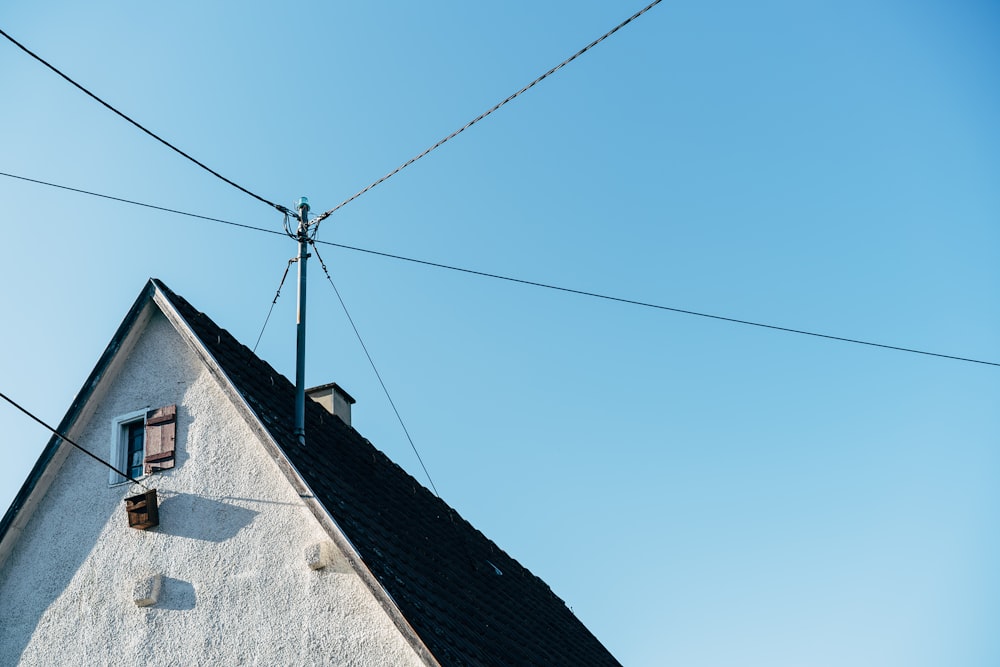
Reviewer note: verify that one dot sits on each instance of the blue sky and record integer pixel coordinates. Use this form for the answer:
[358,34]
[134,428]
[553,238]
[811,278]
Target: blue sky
[700,493]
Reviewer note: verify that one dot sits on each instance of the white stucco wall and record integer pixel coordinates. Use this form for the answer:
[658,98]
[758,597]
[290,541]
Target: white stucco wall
[236,587]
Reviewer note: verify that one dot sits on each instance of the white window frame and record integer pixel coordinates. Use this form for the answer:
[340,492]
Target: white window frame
[119,444]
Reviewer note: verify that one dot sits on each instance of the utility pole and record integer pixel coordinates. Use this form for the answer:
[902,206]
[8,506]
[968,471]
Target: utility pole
[302,235]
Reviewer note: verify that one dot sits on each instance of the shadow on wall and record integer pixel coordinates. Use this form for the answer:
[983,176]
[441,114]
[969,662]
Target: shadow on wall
[30,580]
[176,595]
[201,518]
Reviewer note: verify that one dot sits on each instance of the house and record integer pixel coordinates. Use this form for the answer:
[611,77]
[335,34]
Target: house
[257,550]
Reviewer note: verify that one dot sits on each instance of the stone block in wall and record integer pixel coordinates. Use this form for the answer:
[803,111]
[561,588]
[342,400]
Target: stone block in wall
[146,590]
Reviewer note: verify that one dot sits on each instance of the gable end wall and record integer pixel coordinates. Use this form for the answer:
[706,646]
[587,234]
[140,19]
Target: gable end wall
[230,550]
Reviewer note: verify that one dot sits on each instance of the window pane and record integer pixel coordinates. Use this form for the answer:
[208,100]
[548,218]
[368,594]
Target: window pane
[135,449]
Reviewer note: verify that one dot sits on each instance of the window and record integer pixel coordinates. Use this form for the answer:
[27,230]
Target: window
[134,447]
[142,442]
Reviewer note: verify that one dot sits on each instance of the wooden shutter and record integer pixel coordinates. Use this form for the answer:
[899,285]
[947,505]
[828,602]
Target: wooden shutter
[161,429]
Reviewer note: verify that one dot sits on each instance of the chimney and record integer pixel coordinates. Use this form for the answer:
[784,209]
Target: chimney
[333,397]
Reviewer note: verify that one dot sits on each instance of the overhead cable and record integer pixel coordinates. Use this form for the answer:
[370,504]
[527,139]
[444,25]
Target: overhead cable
[139,203]
[372,362]
[273,302]
[533,283]
[645,304]
[655,306]
[133,122]
[319,218]
[66,439]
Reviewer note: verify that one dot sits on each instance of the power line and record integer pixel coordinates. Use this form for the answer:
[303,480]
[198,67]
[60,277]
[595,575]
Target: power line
[276,295]
[645,304]
[139,203]
[319,218]
[323,216]
[372,362]
[136,124]
[533,283]
[66,439]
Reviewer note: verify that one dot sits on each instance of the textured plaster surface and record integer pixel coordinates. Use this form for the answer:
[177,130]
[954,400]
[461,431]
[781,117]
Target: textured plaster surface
[235,585]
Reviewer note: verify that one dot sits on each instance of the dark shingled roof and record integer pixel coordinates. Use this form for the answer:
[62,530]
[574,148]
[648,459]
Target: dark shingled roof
[438,569]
